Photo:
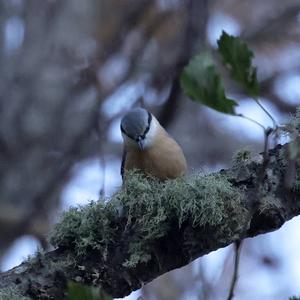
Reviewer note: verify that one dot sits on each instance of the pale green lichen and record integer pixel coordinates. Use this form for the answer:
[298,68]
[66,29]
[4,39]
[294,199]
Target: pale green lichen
[240,164]
[268,202]
[11,293]
[241,156]
[296,185]
[292,128]
[89,226]
[148,208]
[135,258]
[294,122]
[201,199]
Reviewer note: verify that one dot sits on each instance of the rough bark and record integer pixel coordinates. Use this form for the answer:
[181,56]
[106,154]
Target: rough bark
[264,205]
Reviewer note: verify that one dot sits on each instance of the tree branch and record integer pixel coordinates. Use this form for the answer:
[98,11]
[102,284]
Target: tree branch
[149,228]
[195,30]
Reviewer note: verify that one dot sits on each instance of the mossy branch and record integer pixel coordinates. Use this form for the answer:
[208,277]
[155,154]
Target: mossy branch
[149,228]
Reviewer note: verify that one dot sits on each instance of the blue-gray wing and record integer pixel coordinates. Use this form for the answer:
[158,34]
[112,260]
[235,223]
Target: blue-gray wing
[123,163]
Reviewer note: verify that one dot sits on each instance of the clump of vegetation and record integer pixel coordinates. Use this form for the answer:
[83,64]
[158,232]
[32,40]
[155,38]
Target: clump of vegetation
[11,293]
[144,211]
[294,122]
[203,200]
[292,129]
[241,156]
[90,226]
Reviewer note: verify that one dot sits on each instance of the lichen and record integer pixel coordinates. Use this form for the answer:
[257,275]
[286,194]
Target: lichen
[241,156]
[144,210]
[11,293]
[90,226]
[294,121]
[240,164]
[136,258]
[293,157]
[296,185]
[268,202]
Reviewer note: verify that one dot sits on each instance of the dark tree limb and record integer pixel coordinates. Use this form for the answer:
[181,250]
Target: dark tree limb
[195,30]
[263,206]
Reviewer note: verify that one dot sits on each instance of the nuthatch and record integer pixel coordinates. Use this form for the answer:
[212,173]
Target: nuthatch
[149,148]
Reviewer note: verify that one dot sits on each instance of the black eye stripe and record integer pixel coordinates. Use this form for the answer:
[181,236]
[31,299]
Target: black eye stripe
[148,126]
[122,129]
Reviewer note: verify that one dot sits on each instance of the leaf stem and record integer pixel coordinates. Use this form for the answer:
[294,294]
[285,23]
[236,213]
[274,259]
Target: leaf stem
[253,121]
[266,111]
[267,132]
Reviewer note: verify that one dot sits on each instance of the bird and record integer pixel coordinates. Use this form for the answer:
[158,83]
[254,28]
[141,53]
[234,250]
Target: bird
[148,147]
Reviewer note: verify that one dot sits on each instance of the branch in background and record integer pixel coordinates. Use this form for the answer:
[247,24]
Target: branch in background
[150,228]
[271,28]
[267,91]
[197,12]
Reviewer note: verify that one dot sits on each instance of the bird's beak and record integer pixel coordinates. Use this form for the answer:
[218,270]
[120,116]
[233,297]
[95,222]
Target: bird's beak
[141,144]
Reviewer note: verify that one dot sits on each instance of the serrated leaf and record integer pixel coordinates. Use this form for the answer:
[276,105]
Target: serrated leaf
[78,291]
[237,57]
[201,82]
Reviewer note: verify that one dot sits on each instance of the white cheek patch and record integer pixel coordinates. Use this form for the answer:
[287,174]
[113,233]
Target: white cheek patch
[150,136]
[129,142]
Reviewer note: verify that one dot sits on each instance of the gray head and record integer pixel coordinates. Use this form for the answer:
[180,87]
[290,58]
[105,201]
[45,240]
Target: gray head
[136,124]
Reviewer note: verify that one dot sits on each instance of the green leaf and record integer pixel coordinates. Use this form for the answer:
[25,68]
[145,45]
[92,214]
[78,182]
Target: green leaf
[202,83]
[78,291]
[237,57]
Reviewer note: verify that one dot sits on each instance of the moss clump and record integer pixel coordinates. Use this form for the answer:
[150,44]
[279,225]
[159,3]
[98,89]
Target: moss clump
[269,202]
[241,156]
[293,157]
[296,185]
[294,122]
[144,211]
[240,161]
[204,200]
[86,227]
[11,293]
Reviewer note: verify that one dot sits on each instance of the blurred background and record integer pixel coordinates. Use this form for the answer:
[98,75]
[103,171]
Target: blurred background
[69,71]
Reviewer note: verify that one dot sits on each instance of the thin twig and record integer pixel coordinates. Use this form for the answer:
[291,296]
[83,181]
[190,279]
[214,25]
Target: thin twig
[103,167]
[238,246]
[267,132]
